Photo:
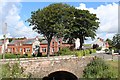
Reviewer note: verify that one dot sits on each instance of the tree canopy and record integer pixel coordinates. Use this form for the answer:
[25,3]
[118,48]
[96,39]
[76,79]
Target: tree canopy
[109,41]
[84,25]
[52,20]
[116,41]
[62,20]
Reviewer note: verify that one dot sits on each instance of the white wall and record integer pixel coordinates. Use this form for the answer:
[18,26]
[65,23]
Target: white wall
[6,45]
[77,43]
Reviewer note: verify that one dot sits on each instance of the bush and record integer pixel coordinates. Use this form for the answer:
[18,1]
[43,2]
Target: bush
[82,53]
[99,48]
[98,69]
[87,52]
[65,51]
[78,53]
[92,50]
[9,55]
[106,50]
[95,46]
[13,71]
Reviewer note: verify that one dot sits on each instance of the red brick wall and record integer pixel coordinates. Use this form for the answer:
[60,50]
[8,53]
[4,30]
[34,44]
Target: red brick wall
[54,44]
[16,49]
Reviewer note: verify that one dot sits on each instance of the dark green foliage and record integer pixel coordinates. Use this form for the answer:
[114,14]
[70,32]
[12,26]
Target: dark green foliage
[106,50]
[95,46]
[25,54]
[98,69]
[116,41]
[39,54]
[9,55]
[109,41]
[84,25]
[98,48]
[51,21]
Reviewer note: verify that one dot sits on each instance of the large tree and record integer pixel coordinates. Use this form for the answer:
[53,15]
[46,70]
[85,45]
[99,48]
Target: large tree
[85,25]
[116,41]
[51,21]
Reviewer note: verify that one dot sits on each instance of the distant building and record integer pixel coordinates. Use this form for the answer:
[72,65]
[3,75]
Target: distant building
[101,43]
[2,44]
[31,46]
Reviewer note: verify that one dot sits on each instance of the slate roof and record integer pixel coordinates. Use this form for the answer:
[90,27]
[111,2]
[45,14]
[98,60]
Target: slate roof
[44,42]
[1,42]
[28,41]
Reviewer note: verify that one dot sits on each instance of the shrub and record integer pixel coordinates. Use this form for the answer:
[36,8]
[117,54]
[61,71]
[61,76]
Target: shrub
[98,48]
[65,51]
[13,71]
[98,69]
[82,53]
[87,52]
[92,50]
[78,53]
[39,54]
[95,46]
[10,55]
[106,50]
[0,56]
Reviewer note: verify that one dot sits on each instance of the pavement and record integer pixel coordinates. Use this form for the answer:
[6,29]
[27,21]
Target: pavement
[107,56]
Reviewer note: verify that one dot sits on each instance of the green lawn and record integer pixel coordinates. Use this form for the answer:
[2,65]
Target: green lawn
[114,66]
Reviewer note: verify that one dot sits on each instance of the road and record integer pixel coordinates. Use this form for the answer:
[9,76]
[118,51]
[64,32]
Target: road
[106,56]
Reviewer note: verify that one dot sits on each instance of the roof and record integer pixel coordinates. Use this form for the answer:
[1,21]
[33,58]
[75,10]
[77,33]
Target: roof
[28,41]
[15,41]
[24,41]
[44,41]
[1,42]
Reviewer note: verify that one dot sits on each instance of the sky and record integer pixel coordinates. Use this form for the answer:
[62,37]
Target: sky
[15,15]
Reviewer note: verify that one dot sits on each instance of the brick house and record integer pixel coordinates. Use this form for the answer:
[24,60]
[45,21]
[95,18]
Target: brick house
[33,45]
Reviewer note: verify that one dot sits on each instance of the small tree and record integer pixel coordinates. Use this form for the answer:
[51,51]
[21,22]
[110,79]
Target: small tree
[116,41]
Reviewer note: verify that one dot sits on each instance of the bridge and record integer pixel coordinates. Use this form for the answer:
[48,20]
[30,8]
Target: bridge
[53,67]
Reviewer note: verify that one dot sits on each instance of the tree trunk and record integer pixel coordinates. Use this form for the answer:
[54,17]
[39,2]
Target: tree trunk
[81,42]
[48,48]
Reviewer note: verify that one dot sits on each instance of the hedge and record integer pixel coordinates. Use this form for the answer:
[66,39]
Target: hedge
[84,52]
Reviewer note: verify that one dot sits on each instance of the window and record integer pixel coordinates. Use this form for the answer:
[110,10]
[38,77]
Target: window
[43,49]
[20,44]
[20,49]
[27,49]
[53,43]
[9,49]
[52,49]
[59,43]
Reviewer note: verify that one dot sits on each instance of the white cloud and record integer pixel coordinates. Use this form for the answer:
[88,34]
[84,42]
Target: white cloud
[10,14]
[108,17]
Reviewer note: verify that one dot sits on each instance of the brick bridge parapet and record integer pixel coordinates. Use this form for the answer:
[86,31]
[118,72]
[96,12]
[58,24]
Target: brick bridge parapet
[43,66]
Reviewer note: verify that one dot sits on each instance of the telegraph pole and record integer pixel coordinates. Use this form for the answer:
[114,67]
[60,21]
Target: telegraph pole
[4,35]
